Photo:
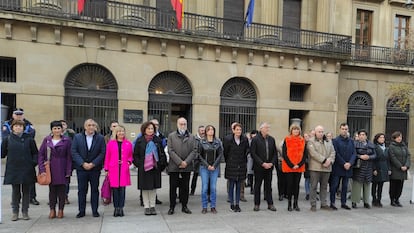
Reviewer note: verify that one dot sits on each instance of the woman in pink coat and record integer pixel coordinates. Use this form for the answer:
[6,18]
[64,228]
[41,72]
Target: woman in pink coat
[117,160]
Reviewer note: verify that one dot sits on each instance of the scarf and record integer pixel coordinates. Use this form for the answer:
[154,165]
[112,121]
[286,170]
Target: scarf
[151,154]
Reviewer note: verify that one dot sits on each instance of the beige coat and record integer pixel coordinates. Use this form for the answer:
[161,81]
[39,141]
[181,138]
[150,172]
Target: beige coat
[318,152]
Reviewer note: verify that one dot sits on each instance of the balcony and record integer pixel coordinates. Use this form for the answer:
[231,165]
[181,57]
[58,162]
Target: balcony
[382,55]
[118,13]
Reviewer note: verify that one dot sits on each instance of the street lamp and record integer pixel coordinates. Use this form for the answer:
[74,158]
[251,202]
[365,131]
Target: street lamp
[409,4]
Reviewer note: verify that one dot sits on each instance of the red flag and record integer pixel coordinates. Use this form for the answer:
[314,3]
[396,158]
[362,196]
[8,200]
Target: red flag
[81,4]
[178,6]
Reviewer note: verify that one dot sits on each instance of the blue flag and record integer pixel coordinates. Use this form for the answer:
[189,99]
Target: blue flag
[249,13]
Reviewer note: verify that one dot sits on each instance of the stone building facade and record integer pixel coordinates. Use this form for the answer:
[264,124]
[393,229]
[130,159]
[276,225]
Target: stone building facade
[322,61]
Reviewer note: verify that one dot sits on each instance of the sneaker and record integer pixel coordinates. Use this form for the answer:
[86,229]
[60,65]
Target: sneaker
[15,217]
[147,211]
[152,211]
[25,216]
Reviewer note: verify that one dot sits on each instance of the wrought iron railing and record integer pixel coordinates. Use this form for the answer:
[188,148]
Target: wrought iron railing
[138,16]
[382,55]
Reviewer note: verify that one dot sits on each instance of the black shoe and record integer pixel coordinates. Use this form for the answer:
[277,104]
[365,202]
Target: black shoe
[96,214]
[256,208]
[147,211]
[237,208]
[171,211]
[192,193]
[116,212]
[333,207]
[141,203]
[158,202]
[80,215]
[33,201]
[393,203]
[232,208]
[379,204]
[344,206]
[289,205]
[186,210]
[153,211]
[367,206]
[354,205]
[121,212]
[397,203]
[280,197]
[296,206]
[307,197]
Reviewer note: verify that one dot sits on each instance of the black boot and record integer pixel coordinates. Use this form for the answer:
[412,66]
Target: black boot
[295,205]
[250,180]
[290,205]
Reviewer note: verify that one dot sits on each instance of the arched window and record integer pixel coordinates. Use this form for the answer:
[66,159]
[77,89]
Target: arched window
[170,97]
[238,104]
[397,120]
[359,112]
[90,92]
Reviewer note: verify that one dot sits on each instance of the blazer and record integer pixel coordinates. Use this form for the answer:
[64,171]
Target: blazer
[258,151]
[81,154]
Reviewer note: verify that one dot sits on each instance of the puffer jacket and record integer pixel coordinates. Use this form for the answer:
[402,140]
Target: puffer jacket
[363,173]
[235,157]
[399,156]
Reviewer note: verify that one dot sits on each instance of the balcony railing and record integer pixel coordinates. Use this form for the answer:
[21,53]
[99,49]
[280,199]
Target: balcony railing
[382,55]
[138,16]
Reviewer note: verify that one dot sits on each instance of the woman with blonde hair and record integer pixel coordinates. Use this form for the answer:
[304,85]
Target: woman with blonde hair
[118,157]
[293,163]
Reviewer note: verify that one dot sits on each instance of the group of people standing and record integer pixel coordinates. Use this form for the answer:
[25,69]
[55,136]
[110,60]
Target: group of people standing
[327,161]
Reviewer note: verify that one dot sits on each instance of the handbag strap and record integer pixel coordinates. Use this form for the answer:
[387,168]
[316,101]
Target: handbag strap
[48,152]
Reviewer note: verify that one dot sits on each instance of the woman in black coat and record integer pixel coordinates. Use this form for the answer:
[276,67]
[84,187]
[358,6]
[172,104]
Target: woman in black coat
[400,163]
[236,148]
[149,147]
[381,169]
[21,152]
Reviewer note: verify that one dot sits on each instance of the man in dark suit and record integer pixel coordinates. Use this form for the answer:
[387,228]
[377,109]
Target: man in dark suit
[88,151]
[264,154]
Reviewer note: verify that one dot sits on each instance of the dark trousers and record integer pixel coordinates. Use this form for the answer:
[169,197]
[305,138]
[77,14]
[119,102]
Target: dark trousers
[85,178]
[57,193]
[259,177]
[396,187]
[119,197]
[376,190]
[194,181]
[293,180]
[20,191]
[281,182]
[33,191]
[333,187]
[180,180]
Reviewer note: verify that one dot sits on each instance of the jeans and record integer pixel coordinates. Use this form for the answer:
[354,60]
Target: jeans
[233,183]
[206,178]
[307,185]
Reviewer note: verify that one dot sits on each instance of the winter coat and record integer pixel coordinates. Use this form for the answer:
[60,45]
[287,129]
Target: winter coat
[181,148]
[381,165]
[149,180]
[319,151]
[235,157]
[363,173]
[399,157]
[118,173]
[293,152]
[81,154]
[258,151]
[344,153]
[60,162]
[21,153]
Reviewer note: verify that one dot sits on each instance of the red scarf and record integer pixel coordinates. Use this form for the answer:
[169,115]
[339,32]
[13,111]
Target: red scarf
[149,137]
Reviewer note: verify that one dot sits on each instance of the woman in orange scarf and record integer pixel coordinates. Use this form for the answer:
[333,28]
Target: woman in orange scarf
[293,163]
